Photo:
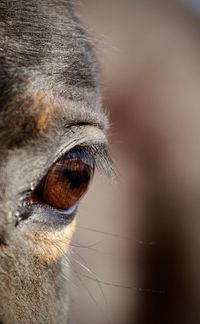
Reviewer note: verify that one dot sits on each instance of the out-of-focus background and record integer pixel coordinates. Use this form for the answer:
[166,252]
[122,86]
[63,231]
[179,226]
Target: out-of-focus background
[136,252]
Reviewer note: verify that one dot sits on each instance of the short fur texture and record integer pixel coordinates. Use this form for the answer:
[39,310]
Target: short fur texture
[49,102]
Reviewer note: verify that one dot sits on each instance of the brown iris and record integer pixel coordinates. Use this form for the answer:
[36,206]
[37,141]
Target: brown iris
[67,180]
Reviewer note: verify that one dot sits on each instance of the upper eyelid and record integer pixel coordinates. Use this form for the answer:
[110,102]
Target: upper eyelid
[82,117]
[85,136]
[90,137]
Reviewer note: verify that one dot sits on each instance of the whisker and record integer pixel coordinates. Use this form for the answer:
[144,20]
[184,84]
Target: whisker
[90,246]
[141,242]
[106,283]
[98,282]
[86,267]
[141,290]
[109,254]
[91,296]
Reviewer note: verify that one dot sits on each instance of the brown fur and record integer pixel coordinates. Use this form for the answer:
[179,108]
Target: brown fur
[51,246]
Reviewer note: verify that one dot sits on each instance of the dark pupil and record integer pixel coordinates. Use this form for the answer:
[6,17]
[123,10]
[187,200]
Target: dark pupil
[66,182]
[75,178]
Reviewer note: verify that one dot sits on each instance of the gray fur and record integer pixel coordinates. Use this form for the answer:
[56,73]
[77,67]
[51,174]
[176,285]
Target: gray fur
[43,49]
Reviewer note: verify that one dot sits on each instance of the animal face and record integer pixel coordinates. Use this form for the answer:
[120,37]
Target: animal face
[52,135]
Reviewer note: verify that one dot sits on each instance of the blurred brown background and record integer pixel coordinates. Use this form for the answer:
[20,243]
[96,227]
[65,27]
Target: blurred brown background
[136,252]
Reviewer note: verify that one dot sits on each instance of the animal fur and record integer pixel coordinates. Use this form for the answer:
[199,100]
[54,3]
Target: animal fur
[49,102]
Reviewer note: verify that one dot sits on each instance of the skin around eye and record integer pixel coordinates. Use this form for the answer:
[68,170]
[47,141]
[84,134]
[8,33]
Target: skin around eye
[66,182]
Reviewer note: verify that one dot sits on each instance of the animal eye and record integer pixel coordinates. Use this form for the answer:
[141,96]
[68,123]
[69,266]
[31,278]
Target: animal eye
[67,180]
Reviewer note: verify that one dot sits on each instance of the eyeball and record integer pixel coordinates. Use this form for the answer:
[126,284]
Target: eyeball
[67,180]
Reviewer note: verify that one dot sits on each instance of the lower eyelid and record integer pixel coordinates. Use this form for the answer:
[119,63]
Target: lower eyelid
[64,212]
[41,213]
